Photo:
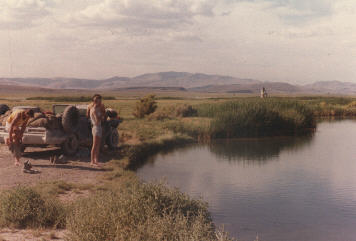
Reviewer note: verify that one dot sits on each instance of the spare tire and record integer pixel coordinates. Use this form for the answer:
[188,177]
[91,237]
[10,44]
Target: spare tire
[41,122]
[70,145]
[113,139]
[3,109]
[70,119]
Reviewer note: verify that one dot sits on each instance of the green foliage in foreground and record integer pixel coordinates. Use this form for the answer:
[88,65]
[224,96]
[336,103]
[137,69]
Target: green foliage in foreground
[68,98]
[140,212]
[257,117]
[23,207]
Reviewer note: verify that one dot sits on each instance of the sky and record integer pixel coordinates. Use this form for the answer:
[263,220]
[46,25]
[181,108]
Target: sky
[295,41]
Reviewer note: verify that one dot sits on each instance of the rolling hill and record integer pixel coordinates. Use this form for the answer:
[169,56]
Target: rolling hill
[179,81]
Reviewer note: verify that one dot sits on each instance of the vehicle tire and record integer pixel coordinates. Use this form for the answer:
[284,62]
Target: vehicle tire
[70,119]
[113,139]
[70,145]
[3,109]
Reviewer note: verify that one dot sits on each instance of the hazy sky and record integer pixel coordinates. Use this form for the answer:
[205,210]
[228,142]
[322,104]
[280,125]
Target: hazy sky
[298,41]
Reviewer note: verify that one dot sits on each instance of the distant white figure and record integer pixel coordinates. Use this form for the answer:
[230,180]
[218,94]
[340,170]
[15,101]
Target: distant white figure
[263,93]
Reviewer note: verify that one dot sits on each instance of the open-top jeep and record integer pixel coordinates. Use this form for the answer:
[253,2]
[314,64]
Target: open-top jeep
[67,126]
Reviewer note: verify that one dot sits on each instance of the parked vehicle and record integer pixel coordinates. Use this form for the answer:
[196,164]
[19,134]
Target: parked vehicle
[66,126]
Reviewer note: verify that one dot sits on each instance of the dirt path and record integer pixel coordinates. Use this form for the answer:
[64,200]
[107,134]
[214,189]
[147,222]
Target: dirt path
[75,171]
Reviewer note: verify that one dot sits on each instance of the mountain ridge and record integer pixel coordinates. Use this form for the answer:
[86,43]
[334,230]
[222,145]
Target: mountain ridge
[184,81]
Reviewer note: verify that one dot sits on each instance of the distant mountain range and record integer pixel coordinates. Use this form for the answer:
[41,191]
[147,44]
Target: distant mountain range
[178,81]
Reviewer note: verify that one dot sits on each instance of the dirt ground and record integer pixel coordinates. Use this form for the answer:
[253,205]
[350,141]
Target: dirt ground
[31,235]
[75,170]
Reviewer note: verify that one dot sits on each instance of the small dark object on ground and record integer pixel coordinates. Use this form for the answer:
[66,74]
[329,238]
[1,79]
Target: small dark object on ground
[27,165]
[27,168]
[58,159]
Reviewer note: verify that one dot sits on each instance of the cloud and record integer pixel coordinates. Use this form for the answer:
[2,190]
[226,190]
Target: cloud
[142,16]
[295,11]
[283,40]
[19,14]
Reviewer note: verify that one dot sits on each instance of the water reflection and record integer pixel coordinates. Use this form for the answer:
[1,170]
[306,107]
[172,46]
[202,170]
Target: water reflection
[304,191]
[257,150]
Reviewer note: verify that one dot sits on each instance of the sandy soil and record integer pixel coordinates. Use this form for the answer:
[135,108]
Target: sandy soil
[31,235]
[76,170]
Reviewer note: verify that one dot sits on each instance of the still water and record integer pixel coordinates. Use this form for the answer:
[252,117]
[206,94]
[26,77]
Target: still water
[279,189]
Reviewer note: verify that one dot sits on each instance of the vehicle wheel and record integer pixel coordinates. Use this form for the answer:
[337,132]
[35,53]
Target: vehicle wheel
[71,145]
[113,139]
[3,109]
[70,119]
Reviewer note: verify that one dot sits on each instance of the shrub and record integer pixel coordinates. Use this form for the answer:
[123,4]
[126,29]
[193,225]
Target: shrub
[185,111]
[172,112]
[24,207]
[145,106]
[140,212]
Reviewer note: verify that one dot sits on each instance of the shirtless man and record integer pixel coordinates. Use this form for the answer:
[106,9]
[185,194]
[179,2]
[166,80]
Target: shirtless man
[16,125]
[96,113]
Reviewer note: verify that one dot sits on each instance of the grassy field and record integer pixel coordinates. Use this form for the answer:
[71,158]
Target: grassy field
[122,207]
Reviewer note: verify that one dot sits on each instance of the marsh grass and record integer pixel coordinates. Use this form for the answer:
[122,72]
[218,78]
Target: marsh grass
[257,117]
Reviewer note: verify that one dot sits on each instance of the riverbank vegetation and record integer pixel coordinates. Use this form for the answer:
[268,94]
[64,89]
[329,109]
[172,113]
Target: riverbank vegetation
[123,208]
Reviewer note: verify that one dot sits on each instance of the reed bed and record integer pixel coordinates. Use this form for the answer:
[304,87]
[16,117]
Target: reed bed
[257,117]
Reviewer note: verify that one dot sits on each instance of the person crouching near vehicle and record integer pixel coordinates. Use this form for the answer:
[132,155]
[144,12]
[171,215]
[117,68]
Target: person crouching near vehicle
[96,113]
[16,125]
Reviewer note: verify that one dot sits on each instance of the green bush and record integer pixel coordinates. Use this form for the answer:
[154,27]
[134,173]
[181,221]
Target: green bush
[24,207]
[145,106]
[140,212]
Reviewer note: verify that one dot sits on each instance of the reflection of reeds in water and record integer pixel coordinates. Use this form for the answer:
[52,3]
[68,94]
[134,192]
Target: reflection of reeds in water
[257,151]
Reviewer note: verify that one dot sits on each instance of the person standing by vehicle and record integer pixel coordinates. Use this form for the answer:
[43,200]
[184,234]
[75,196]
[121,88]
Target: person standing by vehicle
[16,125]
[96,113]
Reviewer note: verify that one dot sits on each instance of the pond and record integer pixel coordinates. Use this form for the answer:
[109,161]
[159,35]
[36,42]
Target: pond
[279,189]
